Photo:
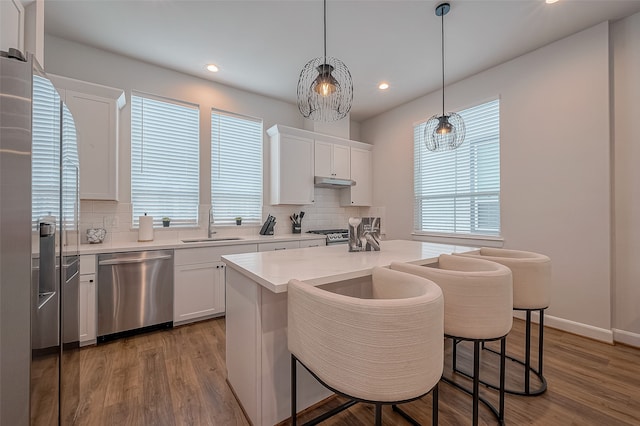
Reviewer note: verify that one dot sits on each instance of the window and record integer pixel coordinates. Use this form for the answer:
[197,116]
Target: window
[164,160]
[458,192]
[236,168]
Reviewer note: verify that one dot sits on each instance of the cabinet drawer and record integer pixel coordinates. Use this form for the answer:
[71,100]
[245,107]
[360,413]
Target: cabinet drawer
[278,245]
[313,243]
[189,256]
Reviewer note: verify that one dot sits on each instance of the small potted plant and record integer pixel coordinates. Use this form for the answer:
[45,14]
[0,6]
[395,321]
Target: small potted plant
[166,221]
[238,221]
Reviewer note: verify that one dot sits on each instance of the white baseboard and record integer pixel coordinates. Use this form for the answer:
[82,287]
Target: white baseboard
[580,329]
[626,337]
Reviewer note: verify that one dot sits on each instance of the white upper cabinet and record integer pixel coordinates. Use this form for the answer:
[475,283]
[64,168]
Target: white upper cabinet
[11,25]
[332,160]
[299,155]
[96,111]
[291,168]
[361,194]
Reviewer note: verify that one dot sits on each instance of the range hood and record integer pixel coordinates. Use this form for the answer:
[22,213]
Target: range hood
[325,182]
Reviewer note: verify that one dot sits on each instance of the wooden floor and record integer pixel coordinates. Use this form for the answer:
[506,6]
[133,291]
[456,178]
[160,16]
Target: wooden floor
[177,377]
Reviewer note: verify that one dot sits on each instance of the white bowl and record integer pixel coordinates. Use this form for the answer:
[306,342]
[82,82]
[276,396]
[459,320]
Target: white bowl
[96,235]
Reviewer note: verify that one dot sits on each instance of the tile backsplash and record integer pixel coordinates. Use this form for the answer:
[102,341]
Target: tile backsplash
[325,213]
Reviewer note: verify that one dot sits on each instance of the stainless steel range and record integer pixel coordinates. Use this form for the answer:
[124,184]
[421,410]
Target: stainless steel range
[334,236]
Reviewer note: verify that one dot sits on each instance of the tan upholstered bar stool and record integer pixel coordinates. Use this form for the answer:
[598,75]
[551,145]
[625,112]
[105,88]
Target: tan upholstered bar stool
[383,350]
[478,307]
[531,292]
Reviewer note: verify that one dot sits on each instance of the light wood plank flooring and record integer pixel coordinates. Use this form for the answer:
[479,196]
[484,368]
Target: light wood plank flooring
[177,377]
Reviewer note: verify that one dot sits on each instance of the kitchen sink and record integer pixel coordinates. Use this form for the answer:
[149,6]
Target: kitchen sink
[204,240]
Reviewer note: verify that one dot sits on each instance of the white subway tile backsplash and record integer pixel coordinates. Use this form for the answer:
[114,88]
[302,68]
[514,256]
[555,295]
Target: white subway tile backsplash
[105,207]
[325,213]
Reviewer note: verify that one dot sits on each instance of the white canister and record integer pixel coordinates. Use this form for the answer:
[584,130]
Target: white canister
[145,228]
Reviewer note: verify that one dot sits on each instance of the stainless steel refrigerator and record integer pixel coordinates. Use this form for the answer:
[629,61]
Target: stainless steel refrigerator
[39,241]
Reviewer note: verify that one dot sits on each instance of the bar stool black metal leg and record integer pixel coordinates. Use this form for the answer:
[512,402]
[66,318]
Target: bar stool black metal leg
[527,354]
[455,355]
[503,358]
[434,406]
[378,414]
[540,341]
[476,380]
[293,391]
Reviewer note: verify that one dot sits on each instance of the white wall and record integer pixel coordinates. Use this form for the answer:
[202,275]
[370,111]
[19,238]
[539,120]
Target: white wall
[555,166]
[626,124]
[85,63]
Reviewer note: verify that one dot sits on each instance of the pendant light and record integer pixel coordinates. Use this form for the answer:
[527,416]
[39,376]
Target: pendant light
[325,88]
[444,132]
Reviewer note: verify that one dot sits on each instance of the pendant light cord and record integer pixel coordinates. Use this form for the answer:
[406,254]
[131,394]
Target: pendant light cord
[325,31]
[442,62]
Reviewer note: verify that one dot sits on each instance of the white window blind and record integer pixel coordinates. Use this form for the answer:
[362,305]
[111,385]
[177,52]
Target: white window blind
[458,192]
[45,160]
[236,168]
[164,160]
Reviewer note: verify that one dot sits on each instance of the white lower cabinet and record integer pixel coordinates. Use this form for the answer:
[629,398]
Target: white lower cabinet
[199,291]
[88,298]
[199,282]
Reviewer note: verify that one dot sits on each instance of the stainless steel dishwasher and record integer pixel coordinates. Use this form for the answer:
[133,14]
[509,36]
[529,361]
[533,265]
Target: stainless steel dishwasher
[135,292]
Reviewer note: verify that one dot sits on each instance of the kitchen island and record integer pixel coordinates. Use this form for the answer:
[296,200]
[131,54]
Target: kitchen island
[258,362]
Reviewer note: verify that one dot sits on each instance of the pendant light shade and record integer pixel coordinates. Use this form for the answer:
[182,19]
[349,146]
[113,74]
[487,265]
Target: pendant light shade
[325,87]
[444,132]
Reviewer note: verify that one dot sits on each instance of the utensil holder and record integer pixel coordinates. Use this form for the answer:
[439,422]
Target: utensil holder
[296,229]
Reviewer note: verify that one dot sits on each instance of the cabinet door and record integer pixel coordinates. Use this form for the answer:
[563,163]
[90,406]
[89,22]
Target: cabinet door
[332,160]
[198,291]
[12,28]
[291,170]
[96,124]
[341,161]
[323,159]
[87,309]
[361,194]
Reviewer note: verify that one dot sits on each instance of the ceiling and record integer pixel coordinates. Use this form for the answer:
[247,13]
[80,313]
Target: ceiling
[261,45]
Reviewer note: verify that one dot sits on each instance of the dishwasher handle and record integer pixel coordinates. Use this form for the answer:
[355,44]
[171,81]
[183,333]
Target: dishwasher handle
[134,260]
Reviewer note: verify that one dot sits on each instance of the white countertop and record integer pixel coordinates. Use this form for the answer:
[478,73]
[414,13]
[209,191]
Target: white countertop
[323,265]
[125,246]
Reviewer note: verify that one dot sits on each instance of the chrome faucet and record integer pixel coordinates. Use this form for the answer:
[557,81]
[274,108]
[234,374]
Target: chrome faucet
[209,231]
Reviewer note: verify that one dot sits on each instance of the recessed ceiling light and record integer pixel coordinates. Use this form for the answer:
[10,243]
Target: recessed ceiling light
[551,1]
[383,86]
[213,68]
